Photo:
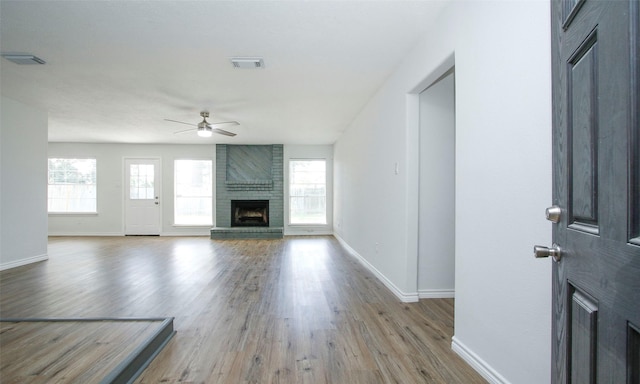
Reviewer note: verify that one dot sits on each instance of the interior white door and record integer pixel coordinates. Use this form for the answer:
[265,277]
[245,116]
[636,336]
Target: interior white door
[142,196]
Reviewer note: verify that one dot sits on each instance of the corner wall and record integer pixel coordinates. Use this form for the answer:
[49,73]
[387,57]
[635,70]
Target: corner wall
[23,185]
[503,181]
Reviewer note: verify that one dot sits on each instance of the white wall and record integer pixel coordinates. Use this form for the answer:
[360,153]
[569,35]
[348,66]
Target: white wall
[309,152]
[110,179]
[501,52]
[436,219]
[110,165]
[23,196]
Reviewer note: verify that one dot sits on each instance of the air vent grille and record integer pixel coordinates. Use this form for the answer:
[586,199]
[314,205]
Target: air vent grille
[23,59]
[247,62]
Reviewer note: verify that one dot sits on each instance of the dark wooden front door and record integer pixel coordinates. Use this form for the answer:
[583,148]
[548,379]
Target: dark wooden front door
[596,170]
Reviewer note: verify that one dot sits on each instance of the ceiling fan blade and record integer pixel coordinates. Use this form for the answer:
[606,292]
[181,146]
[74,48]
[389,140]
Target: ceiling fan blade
[225,123]
[185,131]
[180,122]
[223,132]
[209,125]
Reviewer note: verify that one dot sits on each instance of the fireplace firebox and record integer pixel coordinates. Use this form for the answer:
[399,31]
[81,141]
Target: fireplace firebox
[249,213]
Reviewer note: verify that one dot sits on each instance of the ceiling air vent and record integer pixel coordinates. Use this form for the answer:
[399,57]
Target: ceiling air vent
[23,59]
[247,62]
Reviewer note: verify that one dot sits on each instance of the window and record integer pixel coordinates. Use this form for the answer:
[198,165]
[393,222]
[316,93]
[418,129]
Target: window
[72,186]
[307,192]
[141,181]
[193,191]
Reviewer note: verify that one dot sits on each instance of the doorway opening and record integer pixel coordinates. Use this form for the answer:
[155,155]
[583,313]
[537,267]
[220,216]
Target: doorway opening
[436,196]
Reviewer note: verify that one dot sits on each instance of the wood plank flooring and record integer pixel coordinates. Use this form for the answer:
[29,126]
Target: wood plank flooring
[68,350]
[297,310]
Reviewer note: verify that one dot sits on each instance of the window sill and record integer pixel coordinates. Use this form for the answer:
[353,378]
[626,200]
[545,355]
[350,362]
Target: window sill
[72,213]
[192,225]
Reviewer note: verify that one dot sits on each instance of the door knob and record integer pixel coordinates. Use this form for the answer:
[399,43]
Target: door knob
[539,252]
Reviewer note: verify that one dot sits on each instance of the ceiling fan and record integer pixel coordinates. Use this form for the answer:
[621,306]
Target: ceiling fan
[206,129]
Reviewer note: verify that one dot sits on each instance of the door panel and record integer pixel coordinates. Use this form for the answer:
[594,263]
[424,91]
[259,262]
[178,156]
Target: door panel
[142,196]
[596,283]
[582,322]
[634,354]
[583,135]
[634,130]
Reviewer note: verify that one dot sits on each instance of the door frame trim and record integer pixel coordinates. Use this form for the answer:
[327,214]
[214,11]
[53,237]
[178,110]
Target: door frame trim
[412,105]
[438,292]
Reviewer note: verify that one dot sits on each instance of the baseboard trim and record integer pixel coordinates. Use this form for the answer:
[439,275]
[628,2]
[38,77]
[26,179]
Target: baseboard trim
[402,296]
[112,234]
[436,293]
[305,232]
[206,233]
[87,234]
[21,262]
[481,366]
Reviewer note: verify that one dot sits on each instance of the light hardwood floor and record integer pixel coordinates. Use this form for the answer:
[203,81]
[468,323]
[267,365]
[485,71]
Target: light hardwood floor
[69,350]
[298,310]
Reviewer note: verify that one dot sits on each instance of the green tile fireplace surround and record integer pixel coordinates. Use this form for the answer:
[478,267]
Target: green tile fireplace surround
[249,172]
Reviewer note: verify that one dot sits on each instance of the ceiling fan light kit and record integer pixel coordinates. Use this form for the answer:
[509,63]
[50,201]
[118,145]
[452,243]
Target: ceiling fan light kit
[204,128]
[204,131]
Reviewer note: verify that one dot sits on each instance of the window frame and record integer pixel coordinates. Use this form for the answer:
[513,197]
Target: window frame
[289,196]
[176,197]
[95,186]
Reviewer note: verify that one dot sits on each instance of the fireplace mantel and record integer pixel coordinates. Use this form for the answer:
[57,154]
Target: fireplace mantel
[253,185]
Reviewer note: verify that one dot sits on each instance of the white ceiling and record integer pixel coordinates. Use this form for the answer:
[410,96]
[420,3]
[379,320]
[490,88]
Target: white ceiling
[116,69]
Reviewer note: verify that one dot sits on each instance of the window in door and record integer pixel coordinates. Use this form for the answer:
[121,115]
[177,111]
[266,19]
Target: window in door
[193,192]
[72,186]
[307,192]
[141,181]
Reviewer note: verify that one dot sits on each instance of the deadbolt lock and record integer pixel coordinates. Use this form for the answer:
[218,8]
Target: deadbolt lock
[553,213]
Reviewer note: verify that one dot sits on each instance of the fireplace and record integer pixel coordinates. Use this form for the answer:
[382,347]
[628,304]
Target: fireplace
[249,213]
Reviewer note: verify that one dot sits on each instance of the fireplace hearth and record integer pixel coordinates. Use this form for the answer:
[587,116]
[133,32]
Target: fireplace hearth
[249,213]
